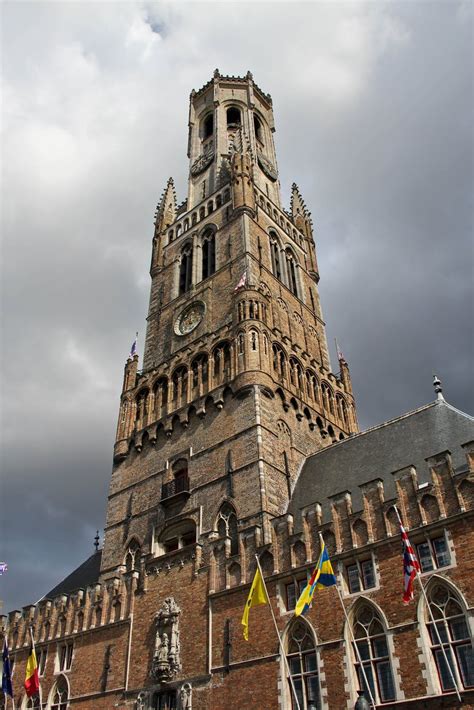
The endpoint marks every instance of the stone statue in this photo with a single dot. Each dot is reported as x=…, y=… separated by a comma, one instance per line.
x=185, y=697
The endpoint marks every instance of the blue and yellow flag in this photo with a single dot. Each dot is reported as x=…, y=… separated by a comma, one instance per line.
x=323, y=576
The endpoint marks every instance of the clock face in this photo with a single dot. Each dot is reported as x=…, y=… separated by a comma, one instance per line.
x=267, y=167
x=189, y=318
x=201, y=163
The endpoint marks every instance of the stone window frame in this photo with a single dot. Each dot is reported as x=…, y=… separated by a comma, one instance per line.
x=430, y=672
x=358, y=559
x=61, y=677
x=286, y=694
x=63, y=663
x=350, y=660
x=426, y=537
x=181, y=528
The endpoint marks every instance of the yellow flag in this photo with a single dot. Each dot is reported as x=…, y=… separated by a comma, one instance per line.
x=257, y=595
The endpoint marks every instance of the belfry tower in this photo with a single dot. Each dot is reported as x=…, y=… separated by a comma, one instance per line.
x=236, y=386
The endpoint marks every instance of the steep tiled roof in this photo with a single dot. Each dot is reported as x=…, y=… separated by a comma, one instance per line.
x=83, y=576
x=379, y=452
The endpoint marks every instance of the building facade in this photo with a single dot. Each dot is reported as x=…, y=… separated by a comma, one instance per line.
x=236, y=440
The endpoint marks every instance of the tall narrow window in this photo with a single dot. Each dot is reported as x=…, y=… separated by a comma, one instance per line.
x=208, y=126
x=303, y=665
x=258, y=128
x=452, y=631
x=373, y=650
x=291, y=271
x=186, y=269
x=275, y=253
x=208, y=254
x=227, y=526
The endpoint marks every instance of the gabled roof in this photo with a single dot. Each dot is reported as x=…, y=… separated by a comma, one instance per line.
x=380, y=451
x=83, y=576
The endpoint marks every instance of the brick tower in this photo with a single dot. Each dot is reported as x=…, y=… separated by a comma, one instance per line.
x=236, y=387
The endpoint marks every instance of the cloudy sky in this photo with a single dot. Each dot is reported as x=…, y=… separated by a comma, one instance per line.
x=374, y=112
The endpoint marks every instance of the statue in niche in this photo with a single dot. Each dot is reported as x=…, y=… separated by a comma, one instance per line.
x=166, y=657
x=185, y=697
x=142, y=701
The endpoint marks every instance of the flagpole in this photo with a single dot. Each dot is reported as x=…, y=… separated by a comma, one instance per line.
x=349, y=626
x=40, y=692
x=283, y=653
x=435, y=626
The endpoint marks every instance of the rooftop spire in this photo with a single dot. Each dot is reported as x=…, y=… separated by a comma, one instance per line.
x=96, y=541
x=438, y=388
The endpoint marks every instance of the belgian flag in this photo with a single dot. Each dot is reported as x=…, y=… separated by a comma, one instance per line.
x=31, y=677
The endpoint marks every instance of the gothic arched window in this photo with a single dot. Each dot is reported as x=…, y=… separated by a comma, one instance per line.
x=452, y=629
x=372, y=649
x=132, y=557
x=303, y=665
x=208, y=253
x=279, y=360
x=227, y=526
x=60, y=695
x=186, y=269
x=275, y=253
x=291, y=271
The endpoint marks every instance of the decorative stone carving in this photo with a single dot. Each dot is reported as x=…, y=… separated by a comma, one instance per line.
x=185, y=697
x=166, y=658
x=142, y=702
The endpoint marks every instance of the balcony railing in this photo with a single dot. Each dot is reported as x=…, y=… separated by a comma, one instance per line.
x=176, y=487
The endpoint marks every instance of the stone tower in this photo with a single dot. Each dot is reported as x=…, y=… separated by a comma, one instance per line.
x=236, y=387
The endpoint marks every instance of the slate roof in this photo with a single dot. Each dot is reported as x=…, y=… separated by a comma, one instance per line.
x=378, y=453
x=83, y=576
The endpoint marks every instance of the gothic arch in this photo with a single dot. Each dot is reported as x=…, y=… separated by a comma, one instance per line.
x=58, y=698
x=456, y=631
x=226, y=526
x=300, y=643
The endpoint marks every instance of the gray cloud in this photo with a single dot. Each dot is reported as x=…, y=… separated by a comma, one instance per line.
x=373, y=107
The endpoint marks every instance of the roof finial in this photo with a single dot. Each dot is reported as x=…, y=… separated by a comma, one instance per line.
x=96, y=541
x=438, y=388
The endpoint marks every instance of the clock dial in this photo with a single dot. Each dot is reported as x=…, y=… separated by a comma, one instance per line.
x=267, y=167
x=201, y=163
x=189, y=319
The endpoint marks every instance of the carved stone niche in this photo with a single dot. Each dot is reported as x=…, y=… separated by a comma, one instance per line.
x=143, y=701
x=186, y=697
x=166, y=657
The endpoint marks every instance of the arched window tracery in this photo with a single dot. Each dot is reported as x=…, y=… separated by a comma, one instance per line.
x=200, y=369
x=296, y=373
x=227, y=526
x=279, y=360
x=450, y=640
x=303, y=665
x=60, y=694
x=373, y=651
x=132, y=556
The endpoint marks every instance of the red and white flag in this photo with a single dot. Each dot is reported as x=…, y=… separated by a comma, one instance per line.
x=242, y=282
x=411, y=566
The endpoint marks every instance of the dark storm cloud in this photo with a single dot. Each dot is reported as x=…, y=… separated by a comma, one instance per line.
x=373, y=107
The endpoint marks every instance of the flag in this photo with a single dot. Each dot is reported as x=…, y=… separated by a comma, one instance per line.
x=7, y=671
x=133, y=349
x=411, y=566
x=323, y=576
x=242, y=282
x=31, y=676
x=257, y=595
x=340, y=355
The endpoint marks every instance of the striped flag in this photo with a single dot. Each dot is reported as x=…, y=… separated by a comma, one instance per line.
x=31, y=676
x=323, y=576
x=411, y=566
